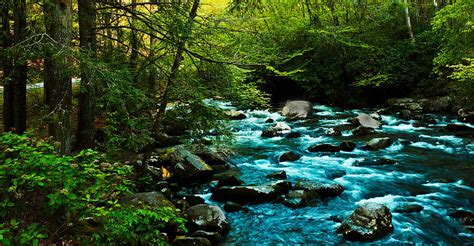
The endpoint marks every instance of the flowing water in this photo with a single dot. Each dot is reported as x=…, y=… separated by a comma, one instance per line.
x=435, y=169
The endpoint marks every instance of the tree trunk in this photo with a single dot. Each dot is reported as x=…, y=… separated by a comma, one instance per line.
x=7, y=66
x=86, y=118
x=407, y=17
x=58, y=87
x=134, y=41
x=20, y=69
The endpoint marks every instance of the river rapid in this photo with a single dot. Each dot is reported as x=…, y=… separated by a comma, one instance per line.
x=434, y=169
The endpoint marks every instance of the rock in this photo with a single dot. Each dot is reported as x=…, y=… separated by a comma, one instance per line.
x=162, y=140
x=189, y=168
x=457, y=128
x=376, y=115
x=466, y=116
x=368, y=222
x=362, y=131
x=375, y=162
x=229, y=181
x=297, y=109
x=277, y=175
x=378, y=143
x=250, y=194
x=282, y=186
x=153, y=199
x=465, y=217
x=214, y=237
x=405, y=103
x=438, y=104
x=192, y=241
x=293, y=135
x=333, y=132
x=406, y=114
x=194, y=200
x=211, y=157
x=335, y=218
x=235, y=115
x=319, y=189
x=365, y=120
x=269, y=120
x=289, y=156
x=406, y=209
x=347, y=146
x=334, y=173
x=324, y=148
x=277, y=130
x=294, y=199
x=232, y=207
x=207, y=218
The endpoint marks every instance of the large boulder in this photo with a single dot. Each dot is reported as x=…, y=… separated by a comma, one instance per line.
x=153, y=199
x=297, y=109
x=289, y=156
x=319, y=189
x=368, y=222
x=250, y=194
x=235, y=115
x=378, y=143
x=347, y=146
x=324, y=148
x=189, y=168
x=210, y=156
x=207, y=218
x=277, y=130
x=365, y=120
x=466, y=115
x=438, y=104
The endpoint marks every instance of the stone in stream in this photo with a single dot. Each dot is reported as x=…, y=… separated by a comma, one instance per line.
x=293, y=135
x=378, y=143
x=297, y=109
x=207, y=218
x=334, y=173
x=191, y=241
x=294, y=199
x=269, y=120
x=465, y=217
x=458, y=128
x=319, y=189
x=362, y=131
x=189, y=168
x=214, y=237
x=277, y=175
x=375, y=162
x=277, y=130
x=410, y=208
x=347, y=146
x=251, y=194
x=368, y=222
x=232, y=207
x=466, y=115
x=324, y=148
x=235, y=115
x=289, y=156
x=232, y=180
x=333, y=132
x=365, y=120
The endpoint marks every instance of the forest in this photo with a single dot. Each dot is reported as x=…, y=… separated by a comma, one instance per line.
x=215, y=122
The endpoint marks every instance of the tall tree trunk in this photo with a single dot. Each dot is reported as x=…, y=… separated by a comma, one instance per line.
x=58, y=87
x=86, y=118
x=134, y=41
x=407, y=17
x=176, y=63
x=20, y=69
x=7, y=66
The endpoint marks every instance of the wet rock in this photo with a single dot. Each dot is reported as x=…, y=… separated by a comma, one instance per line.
x=191, y=241
x=282, y=186
x=406, y=209
x=362, y=131
x=335, y=218
x=189, y=168
x=457, y=128
x=277, y=130
x=235, y=115
x=297, y=109
x=294, y=199
x=289, y=156
x=211, y=157
x=334, y=173
x=230, y=181
x=207, y=218
x=333, y=132
x=269, y=120
x=375, y=162
x=232, y=207
x=368, y=222
x=319, y=189
x=293, y=135
x=347, y=146
x=466, y=218
x=194, y=200
x=277, y=175
x=324, y=148
x=365, y=120
x=214, y=237
x=250, y=194
x=466, y=115
x=376, y=115
x=378, y=143
x=153, y=199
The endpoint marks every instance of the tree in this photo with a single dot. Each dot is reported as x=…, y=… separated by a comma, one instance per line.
x=7, y=66
x=57, y=64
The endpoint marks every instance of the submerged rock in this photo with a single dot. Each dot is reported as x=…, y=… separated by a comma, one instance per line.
x=347, y=146
x=378, y=143
x=289, y=156
x=406, y=209
x=375, y=162
x=277, y=130
x=319, y=189
x=334, y=173
x=293, y=135
x=324, y=148
x=297, y=109
x=207, y=218
x=368, y=222
x=232, y=207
